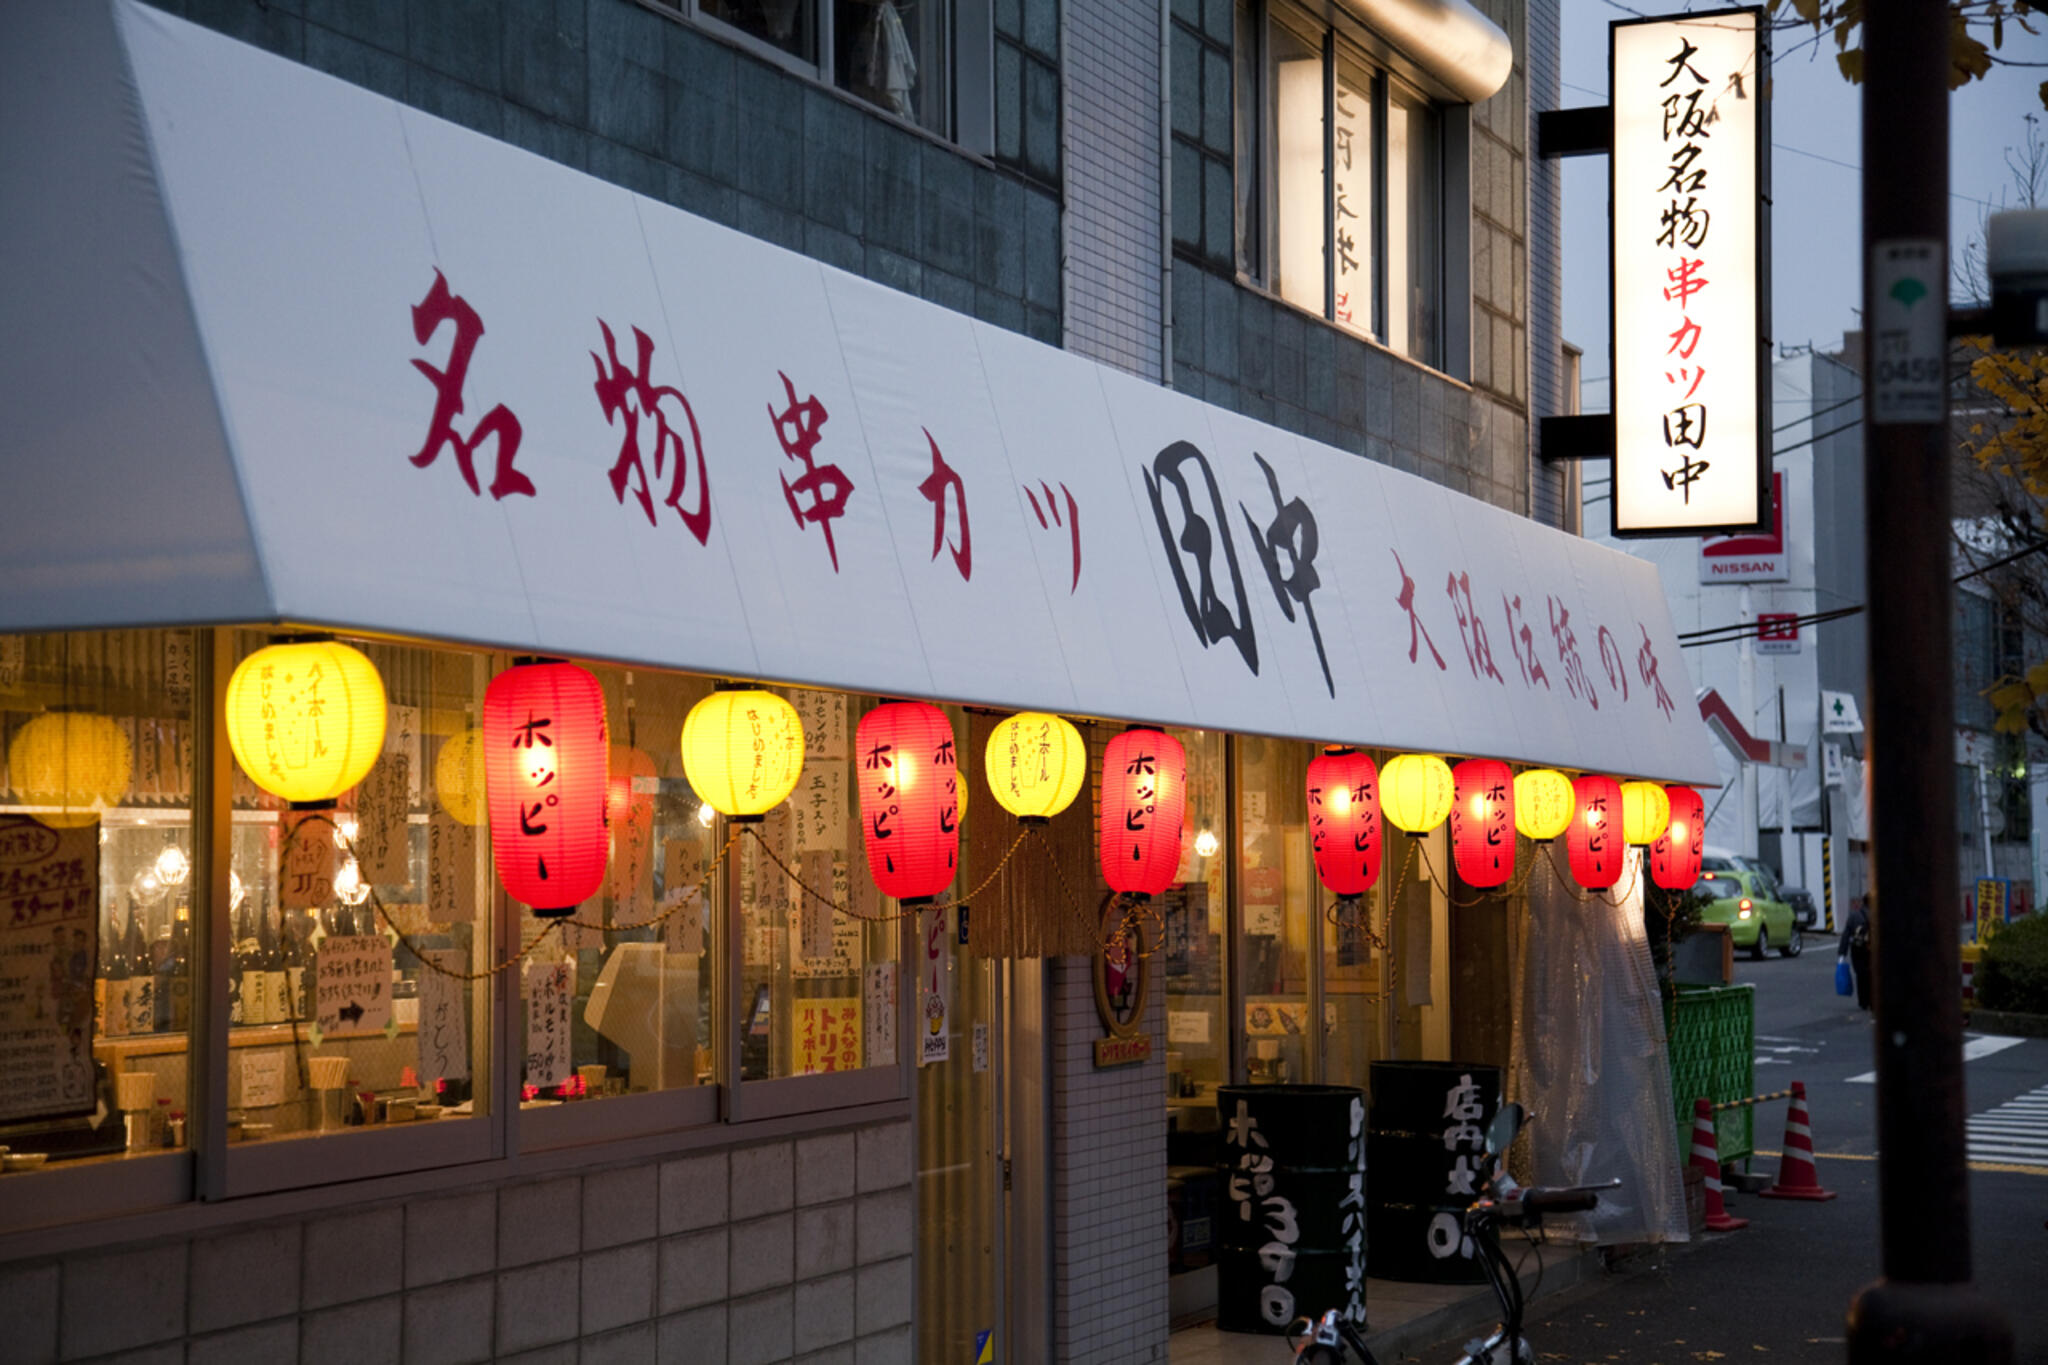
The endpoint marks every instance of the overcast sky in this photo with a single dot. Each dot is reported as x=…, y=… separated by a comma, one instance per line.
x=1816, y=222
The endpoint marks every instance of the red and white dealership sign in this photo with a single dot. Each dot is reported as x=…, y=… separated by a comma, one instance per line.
x=1750, y=556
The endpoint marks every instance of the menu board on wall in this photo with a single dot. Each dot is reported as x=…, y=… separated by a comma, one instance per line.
x=49, y=952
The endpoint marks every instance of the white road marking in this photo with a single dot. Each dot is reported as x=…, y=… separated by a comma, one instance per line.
x=2016, y=1131
x=1974, y=1046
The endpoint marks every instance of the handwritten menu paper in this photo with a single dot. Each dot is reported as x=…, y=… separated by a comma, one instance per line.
x=451, y=870
x=353, y=984
x=49, y=951
x=444, y=1019
x=309, y=860
x=878, y=1014
x=178, y=667
x=549, y=986
x=383, y=850
x=402, y=736
x=813, y=916
x=683, y=931
x=824, y=720
x=828, y=1034
x=262, y=1078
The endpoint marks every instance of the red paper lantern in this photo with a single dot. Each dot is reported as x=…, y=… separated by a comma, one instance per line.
x=909, y=799
x=1483, y=822
x=1594, y=841
x=1144, y=797
x=1344, y=820
x=1675, y=857
x=546, y=773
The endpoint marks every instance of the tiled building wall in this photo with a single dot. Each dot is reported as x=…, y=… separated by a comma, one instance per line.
x=792, y=1249
x=1546, y=268
x=634, y=96
x=1114, y=253
x=1108, y=1183
x=1243, y=349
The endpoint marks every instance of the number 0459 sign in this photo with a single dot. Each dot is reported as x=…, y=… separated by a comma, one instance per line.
x=1690, y=286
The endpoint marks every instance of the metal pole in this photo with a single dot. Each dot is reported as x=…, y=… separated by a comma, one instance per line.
x=1924, y=1309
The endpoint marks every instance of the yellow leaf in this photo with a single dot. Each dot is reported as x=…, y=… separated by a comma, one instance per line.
x=2037, y=676
x=1851, y=64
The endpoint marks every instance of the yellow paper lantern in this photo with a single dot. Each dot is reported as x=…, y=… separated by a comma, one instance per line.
x=743, y=750
x=1416, y=792
x=1543, y=803
x=68, y=767
x=459, y=776
x=1035, y=764
x=1645, y=812
x=306, y=719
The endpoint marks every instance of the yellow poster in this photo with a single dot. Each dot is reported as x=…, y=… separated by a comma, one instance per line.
x=828, y=1034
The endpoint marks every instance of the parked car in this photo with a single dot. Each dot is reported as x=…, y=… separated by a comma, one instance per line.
x=1746, y=902
x=1803, y=909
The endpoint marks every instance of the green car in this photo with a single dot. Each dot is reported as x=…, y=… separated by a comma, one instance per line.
x=1748, y=904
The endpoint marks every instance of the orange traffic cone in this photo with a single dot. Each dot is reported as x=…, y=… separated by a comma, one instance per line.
x=1797, y=1177
x=1707, y=1157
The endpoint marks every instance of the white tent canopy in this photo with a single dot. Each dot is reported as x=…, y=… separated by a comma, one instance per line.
x=269, y=315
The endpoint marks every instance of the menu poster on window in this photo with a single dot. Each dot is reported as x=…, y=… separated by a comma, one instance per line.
x=632, y=863
x=13, y=658
x=309, y=860
x=1350, y=207
x=818, y=809
x=49, y=952
x=1263, y=889
x=935, y=991
x=451, y=870
x=828, y=1034
x=683, y=931
x=178, y=667
x=824, y=719
x=353, y=985
x=262, y=1078
x=549, y=986
x=444, y=1022
x=383, y=850
x=879, y=1015
x=403, y=737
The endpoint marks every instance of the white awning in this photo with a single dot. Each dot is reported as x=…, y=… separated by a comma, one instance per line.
x=251, y=286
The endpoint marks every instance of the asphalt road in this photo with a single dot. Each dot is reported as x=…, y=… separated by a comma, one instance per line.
x=1778, y=1289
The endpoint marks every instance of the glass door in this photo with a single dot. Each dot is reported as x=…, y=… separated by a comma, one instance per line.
x=960, y=1154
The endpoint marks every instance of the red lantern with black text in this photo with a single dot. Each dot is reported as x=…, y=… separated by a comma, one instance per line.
x=1675, y=856
x=546, y=773
x=1144, y=797
x=1594, y=841
x=1483, y=822
x=909, y=799
x=1344, y=820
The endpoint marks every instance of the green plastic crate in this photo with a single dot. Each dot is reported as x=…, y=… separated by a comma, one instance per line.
x=1712, y=1040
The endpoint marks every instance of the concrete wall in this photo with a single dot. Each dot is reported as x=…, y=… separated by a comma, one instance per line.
x=792, y=1249
x=634, y=96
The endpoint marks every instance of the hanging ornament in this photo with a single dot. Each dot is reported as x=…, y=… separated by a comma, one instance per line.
x=1483, y=822
x=1144, y=798
x=1344, y=820
x=459, y=776
x=1416, y=792
x=1035, y=765
x=1543, y=803
x=546, y=764
x=306, y=719
x=743, y=751
x=1594, y=842
x=70, y=767
x=908, y=771
x=1675, y=855
x=1645, y=811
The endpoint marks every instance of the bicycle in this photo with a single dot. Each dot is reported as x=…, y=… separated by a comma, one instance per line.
x=1324, y=1340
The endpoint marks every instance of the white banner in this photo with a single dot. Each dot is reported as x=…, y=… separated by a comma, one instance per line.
x=534, y=403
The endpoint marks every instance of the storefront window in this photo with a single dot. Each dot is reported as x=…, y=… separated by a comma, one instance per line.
x=1194, y=922
x=1278, y=890
x=353, y=932
x=638, y=959
x=97, y=927
x=818, y=956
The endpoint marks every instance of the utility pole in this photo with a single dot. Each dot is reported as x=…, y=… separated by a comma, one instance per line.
x=1924, y=1309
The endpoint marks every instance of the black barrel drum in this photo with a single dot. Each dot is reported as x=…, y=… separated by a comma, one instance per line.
x=1290, y=1220
x=1427, y=1150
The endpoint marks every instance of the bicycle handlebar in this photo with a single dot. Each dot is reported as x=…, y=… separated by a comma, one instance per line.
x=1573, y=1200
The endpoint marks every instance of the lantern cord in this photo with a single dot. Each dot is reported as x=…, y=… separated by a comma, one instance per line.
x=702, y=887
x=1077, y=912
x=1511, y=890
x=913, y=911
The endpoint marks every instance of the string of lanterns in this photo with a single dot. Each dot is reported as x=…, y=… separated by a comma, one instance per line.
x=305, y=719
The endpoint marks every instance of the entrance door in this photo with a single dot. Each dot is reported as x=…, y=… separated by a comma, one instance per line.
x=959, y=1153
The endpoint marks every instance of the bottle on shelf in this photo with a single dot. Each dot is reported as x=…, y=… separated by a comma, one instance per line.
x=162, y=970
x=248, y=969
x=297, y=958
x=277, y=1006
x=141, y=975
x=114, y=998
x=180, y=981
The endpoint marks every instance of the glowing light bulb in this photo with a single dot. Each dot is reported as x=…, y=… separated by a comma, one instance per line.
x=146, y=885
x=1206, y=844
x=706, y=815
x=344, y=833
x=349, y=887
x=172, y=866
x=237, y=892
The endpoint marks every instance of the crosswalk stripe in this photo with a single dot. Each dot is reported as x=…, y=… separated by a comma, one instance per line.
x=2015, y=1131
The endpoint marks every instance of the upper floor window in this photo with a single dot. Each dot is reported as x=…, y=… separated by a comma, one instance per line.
x=1339, y=181
x=895, y=54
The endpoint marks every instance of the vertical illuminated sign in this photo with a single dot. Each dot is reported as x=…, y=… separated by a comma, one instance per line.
x=1690, y=288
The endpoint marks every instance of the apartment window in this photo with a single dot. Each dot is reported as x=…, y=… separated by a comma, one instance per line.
x=1339, y=181
x=895, y=54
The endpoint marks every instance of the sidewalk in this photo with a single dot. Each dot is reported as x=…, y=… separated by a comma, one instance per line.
x=1404, y=1318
